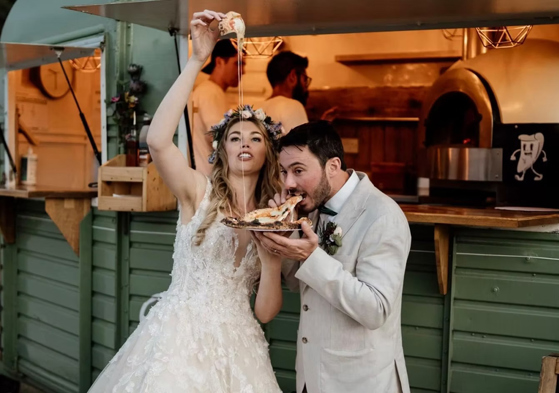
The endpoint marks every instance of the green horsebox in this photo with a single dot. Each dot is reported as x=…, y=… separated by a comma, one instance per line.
x=479, y=311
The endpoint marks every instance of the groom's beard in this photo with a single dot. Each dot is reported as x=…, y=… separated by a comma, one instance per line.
x=318, y=196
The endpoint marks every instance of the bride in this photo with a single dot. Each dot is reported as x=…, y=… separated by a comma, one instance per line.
x=202, y=335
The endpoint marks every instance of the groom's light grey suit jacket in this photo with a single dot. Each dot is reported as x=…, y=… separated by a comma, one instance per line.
x=349, y=337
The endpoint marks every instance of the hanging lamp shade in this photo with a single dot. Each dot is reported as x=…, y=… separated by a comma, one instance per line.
x=503, y=36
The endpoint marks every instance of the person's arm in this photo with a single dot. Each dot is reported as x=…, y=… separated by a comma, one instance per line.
x=185, y=183
x=369, y=296
x=269, y=297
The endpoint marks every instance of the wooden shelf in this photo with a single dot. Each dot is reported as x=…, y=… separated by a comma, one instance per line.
x=487, y=218
x=410, y=57
x=138, y=189
x=27, y=192
x=66, y=208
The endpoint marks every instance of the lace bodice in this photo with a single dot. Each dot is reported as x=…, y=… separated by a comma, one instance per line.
x=207, y=272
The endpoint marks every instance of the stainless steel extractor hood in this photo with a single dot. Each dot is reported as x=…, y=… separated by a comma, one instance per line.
x=297, y=17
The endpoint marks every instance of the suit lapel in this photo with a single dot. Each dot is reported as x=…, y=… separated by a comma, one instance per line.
x=354, y=206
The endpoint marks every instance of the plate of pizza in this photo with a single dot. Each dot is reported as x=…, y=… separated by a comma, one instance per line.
x=272, y=219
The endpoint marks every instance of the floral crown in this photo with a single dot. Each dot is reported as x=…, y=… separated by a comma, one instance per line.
x=245, y=113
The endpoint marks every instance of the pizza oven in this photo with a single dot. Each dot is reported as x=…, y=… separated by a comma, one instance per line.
x=489, y=128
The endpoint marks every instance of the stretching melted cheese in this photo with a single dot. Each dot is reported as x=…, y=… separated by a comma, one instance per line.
x=271, y=215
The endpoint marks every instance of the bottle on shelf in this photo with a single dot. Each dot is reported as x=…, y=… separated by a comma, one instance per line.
x=132, y=146
x=143, y=148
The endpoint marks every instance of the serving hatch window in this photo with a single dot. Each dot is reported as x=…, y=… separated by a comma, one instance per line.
x=50, y=105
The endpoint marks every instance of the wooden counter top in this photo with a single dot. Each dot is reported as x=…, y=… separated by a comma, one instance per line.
x=488, y=218
x=65, y=206
x=47, y=192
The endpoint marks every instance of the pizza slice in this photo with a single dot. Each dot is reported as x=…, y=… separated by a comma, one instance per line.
x=273, y=218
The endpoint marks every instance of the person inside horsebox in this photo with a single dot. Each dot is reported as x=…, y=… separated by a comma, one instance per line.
x=209, y=101
x=287, y=73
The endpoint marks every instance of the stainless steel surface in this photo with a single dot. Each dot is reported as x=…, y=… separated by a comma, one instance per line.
x=524, y=80
x=464, y=81
x=19, y=56
x=461, y=163
x=296, y=17
x=471, y=45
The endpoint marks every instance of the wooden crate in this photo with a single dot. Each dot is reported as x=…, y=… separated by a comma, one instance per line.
x=138, y=189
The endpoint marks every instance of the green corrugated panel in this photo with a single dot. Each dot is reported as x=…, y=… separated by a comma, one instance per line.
x=422, y=314
x=105, y=261
x=506, y=309
x=47, y=322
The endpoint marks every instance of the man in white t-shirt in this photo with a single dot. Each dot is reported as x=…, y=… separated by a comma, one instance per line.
x=209, y=102
x=287, y=73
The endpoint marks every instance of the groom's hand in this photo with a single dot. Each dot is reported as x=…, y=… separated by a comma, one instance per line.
x=296, y=249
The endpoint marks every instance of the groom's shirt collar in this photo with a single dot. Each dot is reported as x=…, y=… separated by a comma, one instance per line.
x=339, y=199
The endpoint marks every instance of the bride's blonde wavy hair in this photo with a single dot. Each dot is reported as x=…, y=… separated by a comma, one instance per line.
x=222, y=197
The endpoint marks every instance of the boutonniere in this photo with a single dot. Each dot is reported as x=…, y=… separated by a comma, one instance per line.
x=331, y=238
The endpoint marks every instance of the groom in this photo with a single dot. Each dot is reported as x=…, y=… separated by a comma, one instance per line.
x=350, y=273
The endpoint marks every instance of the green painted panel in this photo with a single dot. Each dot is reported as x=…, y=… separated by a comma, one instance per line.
x=424, y=373
x=471, y=379
x=283, y=354
x=57, y=248
x=422, y=343
x=135, y=306
x=104, y=235
x=103, y=333
x=518, y=263
x=152, y=237
x=49, y=337
x=42, y=267
x=148, y=284
x=283, y=327
x=104, y=256
x=46, y=379
x=30, y=223
x=95, y=373
x=291, y=301
x=48, y=359
x=421, y=283
x=287, y=381
x=104, y=282
x=104, y=307
x=507, y=320
x=150, y=47
x=507, y=288
x=150, y=259
x=422, y=311
x=132, y=326
x=508, y=247
x=421, y=261
x=48, y=313
x=56, y=293
x=167, y=218
x=101, y=356
x=502, y=352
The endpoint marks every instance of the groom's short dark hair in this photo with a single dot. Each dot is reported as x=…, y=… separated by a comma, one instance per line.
x=320, y=137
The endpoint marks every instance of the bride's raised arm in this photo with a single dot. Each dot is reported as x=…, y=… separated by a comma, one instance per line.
x=186, y=184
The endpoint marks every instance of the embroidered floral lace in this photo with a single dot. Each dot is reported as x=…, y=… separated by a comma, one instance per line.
x=202, y=335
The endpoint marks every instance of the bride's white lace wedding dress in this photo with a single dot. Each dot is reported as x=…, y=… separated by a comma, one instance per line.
x=202, y=335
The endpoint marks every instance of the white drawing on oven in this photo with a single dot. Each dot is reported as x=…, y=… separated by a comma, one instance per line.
x=531, y=146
